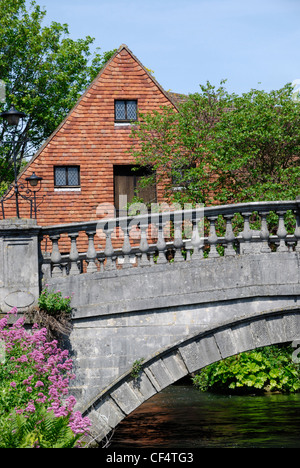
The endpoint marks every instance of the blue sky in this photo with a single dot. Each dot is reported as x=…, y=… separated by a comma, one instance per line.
x=252, y=44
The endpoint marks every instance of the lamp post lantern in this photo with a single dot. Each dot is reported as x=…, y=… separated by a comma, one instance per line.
x=35, y=182
x=12, y=117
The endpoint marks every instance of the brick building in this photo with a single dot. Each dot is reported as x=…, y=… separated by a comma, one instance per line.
x=85, y=163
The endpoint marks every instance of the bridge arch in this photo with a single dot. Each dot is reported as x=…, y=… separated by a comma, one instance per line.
x=189, y=355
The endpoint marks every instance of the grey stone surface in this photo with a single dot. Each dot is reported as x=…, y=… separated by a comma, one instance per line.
x=243, y=337
x=200, y=353
x=19, y=264
x=126, y=398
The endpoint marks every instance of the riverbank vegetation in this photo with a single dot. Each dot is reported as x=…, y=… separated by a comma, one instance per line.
x=268, y=369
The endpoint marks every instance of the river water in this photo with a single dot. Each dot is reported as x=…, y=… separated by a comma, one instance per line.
x=182, y=416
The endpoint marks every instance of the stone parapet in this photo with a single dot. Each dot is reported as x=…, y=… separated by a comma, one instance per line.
x=19, y=264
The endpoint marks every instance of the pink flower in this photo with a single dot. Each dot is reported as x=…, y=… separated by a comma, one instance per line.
x=30, y=407
x=39, y=384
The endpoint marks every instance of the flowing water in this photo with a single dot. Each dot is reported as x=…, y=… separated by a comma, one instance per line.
x=182, y=416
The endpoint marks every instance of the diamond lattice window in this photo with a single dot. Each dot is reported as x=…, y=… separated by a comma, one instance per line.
x=125, y=110
x=66, y=176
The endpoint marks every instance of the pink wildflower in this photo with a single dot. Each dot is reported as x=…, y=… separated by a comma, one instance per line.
x=39, y=384
x=30, y=407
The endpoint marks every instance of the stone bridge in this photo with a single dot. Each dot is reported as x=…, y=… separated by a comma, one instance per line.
x=217, y=281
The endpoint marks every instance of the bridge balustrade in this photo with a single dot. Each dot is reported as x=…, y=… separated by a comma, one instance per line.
x=179, y=236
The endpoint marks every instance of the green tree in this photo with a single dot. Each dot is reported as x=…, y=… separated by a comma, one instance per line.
x=44, y=71
x=177, y=144
x=258, y=150
x=224, y=147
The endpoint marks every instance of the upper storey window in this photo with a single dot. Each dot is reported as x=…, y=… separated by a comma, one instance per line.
x=125, y=110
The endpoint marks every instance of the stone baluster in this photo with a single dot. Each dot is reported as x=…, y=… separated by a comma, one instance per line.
x=109, y=250
x=74, y=255
x=101, y=261
x=91, y=254
x=55, y=256
x=213, y=238
x=229, y=237
x=178, y=242
x=196, y=241
x=126, y=248
x=247, y=233
x=264, y=232
x=151, y=258
x=64, y=268
x=144, y=246
x=161, y=244
x=297, y=230
x=281, y=232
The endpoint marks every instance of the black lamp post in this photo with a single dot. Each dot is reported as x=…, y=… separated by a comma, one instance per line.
x=12, y=119
x=35, y=182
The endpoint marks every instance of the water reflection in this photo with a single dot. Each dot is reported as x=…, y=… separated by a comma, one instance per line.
x=181, y=416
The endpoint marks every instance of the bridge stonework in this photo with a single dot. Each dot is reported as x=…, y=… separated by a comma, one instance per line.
x=199, y=311
x=175, y=317
x=192, y=353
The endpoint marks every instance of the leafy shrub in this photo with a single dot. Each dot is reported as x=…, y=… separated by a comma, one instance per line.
x=35, y=407
x=53, y=302
x=265, y=369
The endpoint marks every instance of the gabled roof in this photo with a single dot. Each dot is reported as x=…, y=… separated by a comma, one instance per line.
x=174, y=98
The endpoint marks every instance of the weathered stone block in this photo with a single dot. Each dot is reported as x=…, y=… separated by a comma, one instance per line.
x=105, y=416
x=243, y=336
x=292, y=326
x=175, y=366
x=143, y=387
x=276, y=329
x=260, y=333
x=158, y=374
x=126, y=398
x=19, y=264
x=226, y=343
x=197, y=355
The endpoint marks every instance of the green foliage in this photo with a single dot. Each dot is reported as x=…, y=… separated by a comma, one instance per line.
x=136, y=368
x=40, y=430
x=224, y=148
x=45, y=72
x=265, y=369
x=53, y=302
x=257, y=147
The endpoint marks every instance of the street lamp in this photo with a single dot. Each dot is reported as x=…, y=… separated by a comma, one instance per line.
x=35, y=182
x=12, y=119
